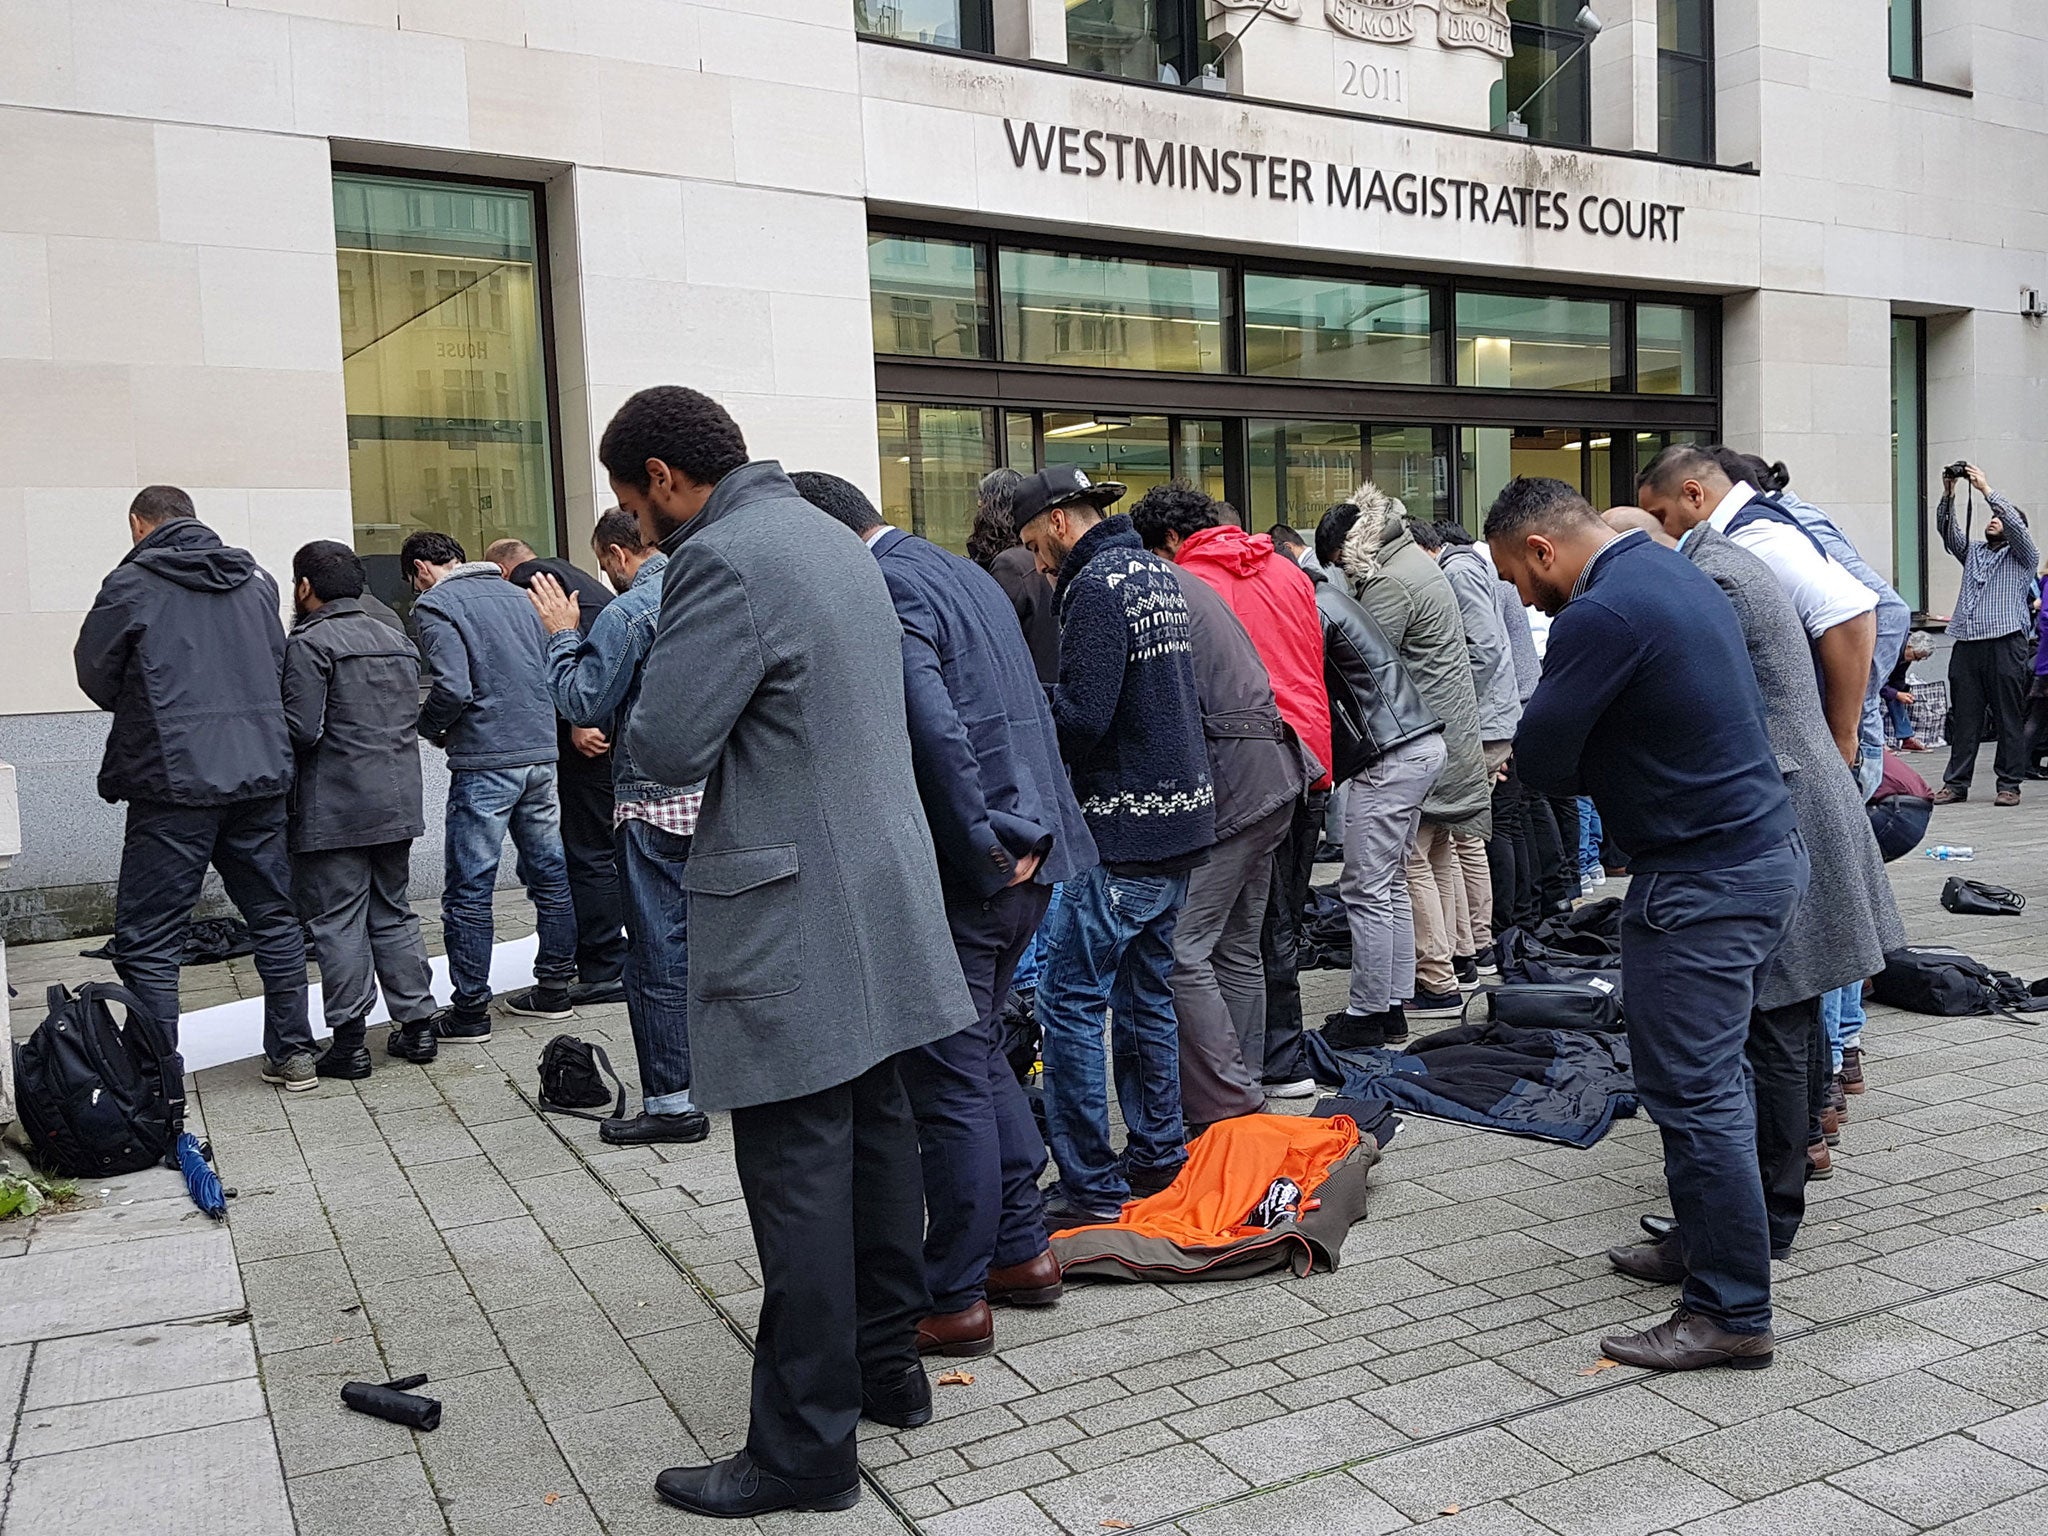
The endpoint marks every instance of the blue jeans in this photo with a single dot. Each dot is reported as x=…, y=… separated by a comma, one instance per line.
x=1841, y=1012
x=1901, y=718
x=1032, y=964
x=657, y=972
x=1693, y=944
x=483, y=805
x=1591, y=833
x=1110, y=945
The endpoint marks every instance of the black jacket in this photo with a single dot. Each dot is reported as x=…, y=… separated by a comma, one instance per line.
x=1374, y=704
x=981, y=734
x=1016, y=572
x=593, y=596
x=351, y=697
x=185, y=646
x=1257, y=762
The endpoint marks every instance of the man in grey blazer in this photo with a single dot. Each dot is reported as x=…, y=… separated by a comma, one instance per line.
x=818, y=937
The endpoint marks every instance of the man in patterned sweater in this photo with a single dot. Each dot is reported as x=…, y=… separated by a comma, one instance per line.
x=1130, y=727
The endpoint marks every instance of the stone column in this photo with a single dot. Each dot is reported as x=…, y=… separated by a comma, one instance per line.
x=1031, y=29
x=1624, y=67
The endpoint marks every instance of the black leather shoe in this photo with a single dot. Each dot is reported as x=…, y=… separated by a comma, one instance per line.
x=902, y=1403
x=1688, y=1342
x=1659, y=1263
x=736, y=1487
x=1659, y=1227
x=642, y=1129
x=348, y=1063
x=1662, y=1228
x=417, y=1041
x=591, y=994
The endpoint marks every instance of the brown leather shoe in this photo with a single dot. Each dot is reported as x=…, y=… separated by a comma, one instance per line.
x=1819, y=1163
x=1831, y=1127
x=963, y=1334
x=1034, y=1283
x=2006, y=797
x=1659, y=1263
x=1689, y=1342
x=1946, y=796
x=1852, y=1069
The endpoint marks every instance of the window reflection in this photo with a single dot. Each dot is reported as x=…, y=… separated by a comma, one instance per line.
x=1489, y=457
x=1324, y=328
x=941, y=23
x=443, y=367
x=933, y=457
x=1667, y=349
x=1298, y=470
x=1518, y=341
x=929, y=298
x=1083, y=311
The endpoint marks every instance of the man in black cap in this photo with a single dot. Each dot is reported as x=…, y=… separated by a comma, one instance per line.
x=1130, y=726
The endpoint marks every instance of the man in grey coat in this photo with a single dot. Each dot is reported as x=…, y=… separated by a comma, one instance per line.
x=351, y=696
x=819, y=945
x=1837, y=935
x=1414, y=605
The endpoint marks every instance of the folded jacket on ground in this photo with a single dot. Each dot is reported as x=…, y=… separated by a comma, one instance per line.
x=1259, y=1192
x=1552, y=1084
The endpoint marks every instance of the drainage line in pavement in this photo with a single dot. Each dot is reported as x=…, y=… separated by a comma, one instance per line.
x=1166, y=1522
x=732, y=1324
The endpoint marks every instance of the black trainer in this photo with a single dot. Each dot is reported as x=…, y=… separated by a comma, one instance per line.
x=416, y=1041
x=1466, y=969
x=1348, y=1031
x=344, y=1063
x=470, y=1026
x=541, y=1003
x=1394, y=1025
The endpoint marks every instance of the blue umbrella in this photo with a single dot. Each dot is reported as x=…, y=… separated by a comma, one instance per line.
x=200, y=1179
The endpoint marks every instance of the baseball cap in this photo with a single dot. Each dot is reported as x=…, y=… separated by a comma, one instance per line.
x=1062, y=485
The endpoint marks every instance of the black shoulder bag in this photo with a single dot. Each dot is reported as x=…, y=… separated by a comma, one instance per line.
x=572, y=1080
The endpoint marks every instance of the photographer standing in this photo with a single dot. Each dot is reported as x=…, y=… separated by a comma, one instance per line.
x=1992, y=664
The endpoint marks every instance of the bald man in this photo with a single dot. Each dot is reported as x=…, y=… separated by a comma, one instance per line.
x=1633, y=520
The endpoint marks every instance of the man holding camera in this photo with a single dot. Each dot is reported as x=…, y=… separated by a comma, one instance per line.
x=1993, y=627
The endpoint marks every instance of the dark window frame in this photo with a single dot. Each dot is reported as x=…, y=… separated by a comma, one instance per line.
x=1705, y=60
x=543, y=276
x=1922, y=572
x=977, y=30
x=1575, y=49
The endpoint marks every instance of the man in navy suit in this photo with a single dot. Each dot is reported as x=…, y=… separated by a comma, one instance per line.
x=1006, y=826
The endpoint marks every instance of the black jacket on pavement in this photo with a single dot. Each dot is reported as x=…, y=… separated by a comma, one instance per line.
x=1257, y=762
x=351, y=692
x=1374, y=704
x=185, y=646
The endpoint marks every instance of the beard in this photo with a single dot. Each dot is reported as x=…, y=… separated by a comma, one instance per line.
x=1550, y=597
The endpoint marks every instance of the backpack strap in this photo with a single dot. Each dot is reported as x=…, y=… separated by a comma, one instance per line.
x=604, y=1065
x=155, y=1040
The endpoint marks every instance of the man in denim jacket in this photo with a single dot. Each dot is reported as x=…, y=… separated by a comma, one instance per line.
x=595, y=682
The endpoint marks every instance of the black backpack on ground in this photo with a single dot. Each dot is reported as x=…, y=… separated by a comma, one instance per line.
x=97, y=1086
x=1950, y=983
x=571, y=1082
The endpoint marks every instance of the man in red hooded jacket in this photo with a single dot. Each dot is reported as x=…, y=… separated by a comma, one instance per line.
x=1276, y=602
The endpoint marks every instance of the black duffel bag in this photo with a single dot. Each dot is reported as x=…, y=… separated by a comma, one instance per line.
x=1949, y=983
x=1976, y=898
x=1584, y=1006
x=1523, y=959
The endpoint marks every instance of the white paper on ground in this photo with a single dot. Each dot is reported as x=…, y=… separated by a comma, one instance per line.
x=234, y=1031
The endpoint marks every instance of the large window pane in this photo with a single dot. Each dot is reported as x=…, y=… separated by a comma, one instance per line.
x=1545, y=38
x=929, y=297
x=1137, y=39
x=1513, y=341
x=1111, y=312
x=1667, y=349
x=933, y=457
x=1682, y=26
x=1683, y=103
x=1905, y=38
x=1298, y=470
x=1198, y=458
x=1324, y=328
x=443, y=367
x=942, y=23
x=1489, y=457
x=1404, y=462
x=1909, y=455
x=1136, y=450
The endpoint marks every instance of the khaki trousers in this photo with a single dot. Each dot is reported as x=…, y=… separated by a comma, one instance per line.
x=1436, y=890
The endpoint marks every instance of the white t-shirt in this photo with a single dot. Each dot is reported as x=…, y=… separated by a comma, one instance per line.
x=1823, y=592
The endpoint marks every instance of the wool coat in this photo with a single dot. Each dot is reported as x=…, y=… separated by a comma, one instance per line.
x=1412, y=601
x=1848, y=920
x=818, y=937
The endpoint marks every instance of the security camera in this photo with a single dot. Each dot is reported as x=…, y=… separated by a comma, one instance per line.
x=1587, y=22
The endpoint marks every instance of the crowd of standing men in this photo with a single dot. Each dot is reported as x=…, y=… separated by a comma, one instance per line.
x=811, y=793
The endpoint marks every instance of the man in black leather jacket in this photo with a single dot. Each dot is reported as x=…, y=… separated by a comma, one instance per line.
x=1389, y=749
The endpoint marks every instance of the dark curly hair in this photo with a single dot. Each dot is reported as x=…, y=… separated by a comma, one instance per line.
x=1175, y=507
x=1537, y=503
x=688, y=431
x=430, y=548
x=331, y=569
x=994, y=529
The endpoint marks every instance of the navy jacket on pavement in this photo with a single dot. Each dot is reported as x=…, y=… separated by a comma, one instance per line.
x=1649, y=704
x=981, y=737
x=185, y=645
x=1128, y=708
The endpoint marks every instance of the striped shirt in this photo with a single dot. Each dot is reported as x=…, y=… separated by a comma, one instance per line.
x=1997, y=583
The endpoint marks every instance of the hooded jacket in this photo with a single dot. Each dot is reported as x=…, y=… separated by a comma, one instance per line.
x=1473, y=581
x=1412, y=601
x=351, y=695
x=185, y=645
x=1275, y=601
x=1374, y=704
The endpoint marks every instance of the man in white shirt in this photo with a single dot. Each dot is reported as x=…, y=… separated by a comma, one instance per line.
x=1686, y=486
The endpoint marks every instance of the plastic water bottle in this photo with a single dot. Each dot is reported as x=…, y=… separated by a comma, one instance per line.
x=1944, y=851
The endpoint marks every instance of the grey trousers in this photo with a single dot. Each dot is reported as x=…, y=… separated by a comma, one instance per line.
x=1219, y=974
x=352, y=901
x=1382, y=809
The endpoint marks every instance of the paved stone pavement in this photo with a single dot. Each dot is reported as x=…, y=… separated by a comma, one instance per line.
x=583, y=1313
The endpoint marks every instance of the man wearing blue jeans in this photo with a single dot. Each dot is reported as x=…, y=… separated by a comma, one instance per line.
x=1645, y=646
x=487, y=704
x=594, y=677
x=1130, y=728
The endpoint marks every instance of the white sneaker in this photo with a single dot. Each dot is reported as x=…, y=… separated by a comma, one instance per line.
x=1303, y=1089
